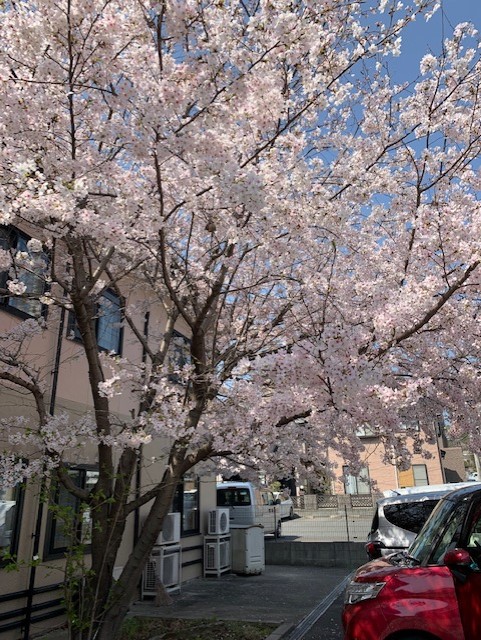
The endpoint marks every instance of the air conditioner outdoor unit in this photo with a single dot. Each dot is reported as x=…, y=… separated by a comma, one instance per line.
x=218, y=522
x=217, y=555
x=164, y=565
x=169, y=567
x=149, y=575
x=170, y=533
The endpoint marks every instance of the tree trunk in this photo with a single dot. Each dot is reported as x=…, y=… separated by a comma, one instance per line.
x=123, y=592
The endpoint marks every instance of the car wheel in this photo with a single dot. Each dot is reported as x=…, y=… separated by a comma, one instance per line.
x=412, y=636
x=279, y=529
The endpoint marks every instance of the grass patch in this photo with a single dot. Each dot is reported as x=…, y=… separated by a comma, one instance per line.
x=142, y=628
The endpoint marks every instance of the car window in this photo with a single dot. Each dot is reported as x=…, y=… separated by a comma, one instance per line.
x=451, y=535
x=474, y=536
x=267, y=498
x=409, y=515
x=233, y=497
x=375, y=522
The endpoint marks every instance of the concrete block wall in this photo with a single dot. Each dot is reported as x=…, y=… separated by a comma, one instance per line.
x=348, y=555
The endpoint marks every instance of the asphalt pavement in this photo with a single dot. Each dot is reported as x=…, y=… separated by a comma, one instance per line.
x=294, y=598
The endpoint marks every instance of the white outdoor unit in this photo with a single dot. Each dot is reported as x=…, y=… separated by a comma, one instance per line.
x=170, y=533
x=164, y=565
x=170, y=567
x=149, y=574
x=248, y=550
x=216, y=555
x=218, y=522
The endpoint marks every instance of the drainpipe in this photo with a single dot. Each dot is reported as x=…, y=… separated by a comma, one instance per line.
x=43, y=485
x=138, y=472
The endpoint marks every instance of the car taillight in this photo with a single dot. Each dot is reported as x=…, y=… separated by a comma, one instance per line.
x=373, y=549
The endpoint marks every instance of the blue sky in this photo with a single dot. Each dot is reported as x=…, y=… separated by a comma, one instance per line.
x=422, y=37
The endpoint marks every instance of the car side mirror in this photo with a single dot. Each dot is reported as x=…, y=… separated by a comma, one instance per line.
x=457, y=558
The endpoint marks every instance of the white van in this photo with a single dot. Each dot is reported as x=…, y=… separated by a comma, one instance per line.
x=249, y=505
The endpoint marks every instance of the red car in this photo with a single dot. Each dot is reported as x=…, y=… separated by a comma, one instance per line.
x=430, y=592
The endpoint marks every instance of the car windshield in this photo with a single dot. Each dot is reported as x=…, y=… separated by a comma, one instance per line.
x=440, y=532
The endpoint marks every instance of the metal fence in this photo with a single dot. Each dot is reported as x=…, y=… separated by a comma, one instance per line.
x=328, y=501
x=330, y=518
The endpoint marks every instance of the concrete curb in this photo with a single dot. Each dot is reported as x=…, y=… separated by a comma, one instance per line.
x=281, y=632
x=300, y=630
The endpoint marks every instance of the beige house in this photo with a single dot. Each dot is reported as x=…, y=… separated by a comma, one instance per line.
x=444, y=464
x=31, y=598
x=387, y=476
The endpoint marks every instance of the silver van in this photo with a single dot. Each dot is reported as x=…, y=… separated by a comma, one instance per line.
x=249, y=505
x=399, y=518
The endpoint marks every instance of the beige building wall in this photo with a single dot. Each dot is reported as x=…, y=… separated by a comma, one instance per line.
x=73, y=396
x=387, y=476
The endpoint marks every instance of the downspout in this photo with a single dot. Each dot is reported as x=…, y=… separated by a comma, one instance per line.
x=43, y=485
x=138, y=472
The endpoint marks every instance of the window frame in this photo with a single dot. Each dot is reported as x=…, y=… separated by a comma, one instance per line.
x=351, y=481
x=178, y=506
x=178, y=353
x=74, y=334
x=9, y=241
x=420, y=467
x=51, y=549
x=17, y=523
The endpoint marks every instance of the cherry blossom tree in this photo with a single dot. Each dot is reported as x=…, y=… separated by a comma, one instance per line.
x=253, y=171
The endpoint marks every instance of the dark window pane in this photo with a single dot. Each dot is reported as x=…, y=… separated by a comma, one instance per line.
x=63, y=524
x=178, y=354
x=186, y=502
x=90, y=479
x=109, y=323
x=233, y=497
x=67, y=524
x=410, y=516
x=190, y=507
x=32, y=275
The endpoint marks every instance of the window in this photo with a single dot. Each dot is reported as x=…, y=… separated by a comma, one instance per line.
x=474, y=536
x=10, y=512
x=233, y=497
x=186, y=502
x=451, y=534
x=30, y=271
x=267, y=498
x=409, y=515
x=178, y=354
x=409, y=425
x=68, y=523
x=415, y=476
x=367, y=431
x=108, y=324
x=355, y=485
x=420, y=474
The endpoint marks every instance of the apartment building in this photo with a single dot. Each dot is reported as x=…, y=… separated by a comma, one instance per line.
x=31, y=596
